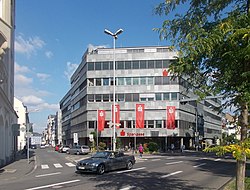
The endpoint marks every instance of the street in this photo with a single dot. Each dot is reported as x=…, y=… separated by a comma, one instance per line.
x=55, y=170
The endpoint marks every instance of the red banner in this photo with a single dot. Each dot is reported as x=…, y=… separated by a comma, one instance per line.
x=101, y=120
x=117, y=114
x=170, y=122
x=139, y=115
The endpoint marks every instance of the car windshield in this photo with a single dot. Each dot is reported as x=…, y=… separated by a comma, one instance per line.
x=101, y=155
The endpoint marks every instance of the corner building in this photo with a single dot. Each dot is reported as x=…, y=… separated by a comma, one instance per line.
x=142, y=77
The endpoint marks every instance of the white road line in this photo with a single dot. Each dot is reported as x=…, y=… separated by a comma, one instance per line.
x=174, y=173
x=169, y=158
x=44, y=175
x=199, y=165
x=127, y=188
x=57, y=165
x=155, y=159
x=70, y=164
x=218, y=159
x=174, y=162
x=44, y=166
x=52, y=185
x=130, y=170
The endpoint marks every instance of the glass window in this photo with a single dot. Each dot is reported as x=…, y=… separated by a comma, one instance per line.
x=127, y=64
x=143, y=64
x=111, y=65
x=166, y=96
x=158, y=96
x=150, y=123
x=120, y=97
x=106, y=82
x=98, y=82
x=135, y=64
x=151, y=99
x=136, y=81
x=128, y=98
x=165, y=80
x=122, y=124
x=174, y=96
x=158, y=80
x=91, y=66
x=105, y=65
x=111, y=97
x=129, y=124
x=159, y=124
x=120, y=81
x=91, y=82
x=98, y=97
x=158, y=64
x=135, y=97
x=151, y=64
x=91, y=98
x=150, y=80
x=143, y=81
x=105, y=97
x=165, y=63
x=143, y=99
x=91, y=124
x=120, y=65
x=128, y=81
x=98, y=66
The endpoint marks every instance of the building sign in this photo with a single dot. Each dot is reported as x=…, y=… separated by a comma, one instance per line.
x=170, y=122
x=101, y=120
x=117, y=114
x=131, y=134
x=139, y=115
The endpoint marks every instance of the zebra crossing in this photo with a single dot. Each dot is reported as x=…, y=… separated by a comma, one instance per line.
x=57, y=165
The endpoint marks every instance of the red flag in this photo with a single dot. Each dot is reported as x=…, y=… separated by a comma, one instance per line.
x=117, y=114
x=139, y=115
x=170, y=122
x=101, y=120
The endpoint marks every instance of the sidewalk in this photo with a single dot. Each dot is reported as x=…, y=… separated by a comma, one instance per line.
x=20, y=167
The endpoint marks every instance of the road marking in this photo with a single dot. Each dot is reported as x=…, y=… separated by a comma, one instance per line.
x=199, y=165
x=218, y=159
x=52, y=185
x=174, y=173
x=130, y=170
x=127, y=188
x=57, y=165
x=44, y=175
x=155, y=159
x=169, y=158
x=44, y=166
x=174, y=162
x=70, y=164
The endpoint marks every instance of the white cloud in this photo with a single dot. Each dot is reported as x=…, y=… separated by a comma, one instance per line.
x=28, y=46
x=71, y=67
x=31, y=100
x=21, y=80
x=21, y=69
x=48, y=54
x=42, y=76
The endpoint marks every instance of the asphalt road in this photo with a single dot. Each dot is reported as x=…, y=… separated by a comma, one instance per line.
x=57, y=171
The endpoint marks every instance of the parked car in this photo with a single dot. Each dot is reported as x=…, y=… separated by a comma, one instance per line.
x=33, y=146
x=63, y=149
x=106, y=161
x=42, y=146
x=79, y=149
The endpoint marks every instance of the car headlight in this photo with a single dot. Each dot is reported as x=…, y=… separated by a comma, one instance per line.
x=94, y=164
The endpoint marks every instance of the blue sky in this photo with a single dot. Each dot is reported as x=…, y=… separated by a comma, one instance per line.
x=52, y=35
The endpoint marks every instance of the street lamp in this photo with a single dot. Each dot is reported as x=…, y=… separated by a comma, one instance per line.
x=115, y=36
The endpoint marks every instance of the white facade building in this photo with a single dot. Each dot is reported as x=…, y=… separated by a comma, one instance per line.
x=8, y=116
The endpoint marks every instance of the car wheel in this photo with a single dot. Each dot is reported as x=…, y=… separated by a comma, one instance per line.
x=129, y=165
x=101, y=169
x=67, y=152
x=77, y=153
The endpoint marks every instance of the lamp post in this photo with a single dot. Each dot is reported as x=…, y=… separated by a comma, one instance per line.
x=115, y=36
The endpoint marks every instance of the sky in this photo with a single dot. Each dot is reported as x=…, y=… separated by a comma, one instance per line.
x=51, y=37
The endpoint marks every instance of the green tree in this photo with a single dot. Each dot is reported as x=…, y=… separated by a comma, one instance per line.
x=212, y=38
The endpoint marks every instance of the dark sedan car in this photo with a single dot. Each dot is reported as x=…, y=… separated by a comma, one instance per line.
x=106, y=161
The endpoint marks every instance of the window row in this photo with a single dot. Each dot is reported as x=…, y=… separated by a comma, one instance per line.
x=132, y=81
x=133, y=97
x=121, y=65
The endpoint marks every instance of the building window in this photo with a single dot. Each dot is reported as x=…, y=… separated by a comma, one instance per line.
x=91, y=82
x=143, y=64
x=129, y=124
x=135, y=97
x=91, y=66
x=151, y=64
x=105, y=97
x=105, y=65
x=158, y=64
x=135, y=81
x=143, y=99
x=150, y=80
x=143, y=81
x=166, y=96
x=98, y=66
x=120, y=97
x=150, y=123
x=119, y=65
x=122, y=124
x=159, y=124
x=91, y=98
x=158, y=96
x=106, y=82
x=165, y=80
x=128, y=81
x=128, y=97
x=165, y=63
x=98, y=97
x=135, y=65
x=158, y=80
x=120, y=81
x=174, y=96
x=98, y=82
x=127, y=64
x=91, y=124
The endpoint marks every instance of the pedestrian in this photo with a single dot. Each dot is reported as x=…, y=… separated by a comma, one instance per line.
x=140, y=150
x=182, y=148
x=172, y=148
